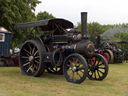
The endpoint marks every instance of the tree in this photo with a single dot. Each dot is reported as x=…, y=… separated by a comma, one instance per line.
x=17, y=11
x=44, y=15
x=122, y=36
x=94, y=29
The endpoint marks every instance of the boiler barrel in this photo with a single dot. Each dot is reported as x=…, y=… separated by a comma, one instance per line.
x=84, y=47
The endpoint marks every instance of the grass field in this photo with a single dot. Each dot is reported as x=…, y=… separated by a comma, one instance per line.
x=13, y=83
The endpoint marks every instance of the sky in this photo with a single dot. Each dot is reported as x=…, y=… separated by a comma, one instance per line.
x=101, y=11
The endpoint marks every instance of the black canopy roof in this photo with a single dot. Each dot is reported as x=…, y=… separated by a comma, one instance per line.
x=46, y=25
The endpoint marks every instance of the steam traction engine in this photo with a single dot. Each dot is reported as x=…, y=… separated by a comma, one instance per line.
x=103, y=48
x=109, y=50
x=64, y=50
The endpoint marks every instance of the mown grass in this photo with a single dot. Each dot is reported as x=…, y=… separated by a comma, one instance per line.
x=13, y=83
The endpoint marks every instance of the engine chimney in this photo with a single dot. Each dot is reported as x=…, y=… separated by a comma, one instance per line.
x=83, y=24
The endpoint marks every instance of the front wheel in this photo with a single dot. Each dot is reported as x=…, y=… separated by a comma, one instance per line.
x=75, y=68
x=98, y=67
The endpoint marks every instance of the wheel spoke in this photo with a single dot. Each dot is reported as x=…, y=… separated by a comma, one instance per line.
x=56, y=69
x=32, y=69
x=89, y=66
x=70, y=61
x=26, y=60
x=100, y=64
x=78, y=74
x=89, y=70
x=26, y=64
x=27, y=54
x=102, y=67
x=92, y=73
x=73, y=59
x=37, y=61
x=92, y=61
x=35, y=52
x=95, y=74
x=81, y=71
x=29, y=68
x=81, y=68
x=98, y=73
x=30, y=49
x=37, y=57
x=35, y=66
x=77, y=61
x=73, y=75
x=98, y=59
x=70, y=65
x=101, y=71
x=97, y=63
x=24, y=57
x=27, y=51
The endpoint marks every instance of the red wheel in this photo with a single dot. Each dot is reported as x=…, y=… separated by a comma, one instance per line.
x=111, y=56
x=106, y=56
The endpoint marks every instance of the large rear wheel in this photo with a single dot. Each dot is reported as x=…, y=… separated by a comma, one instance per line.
x=31, y=62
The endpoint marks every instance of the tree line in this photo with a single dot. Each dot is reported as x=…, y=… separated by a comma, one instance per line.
x=95, y=28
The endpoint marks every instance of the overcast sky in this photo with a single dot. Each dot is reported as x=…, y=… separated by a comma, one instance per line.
x=102, y=11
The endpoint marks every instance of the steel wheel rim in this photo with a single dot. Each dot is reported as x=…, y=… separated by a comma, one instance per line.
x=29, y=58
